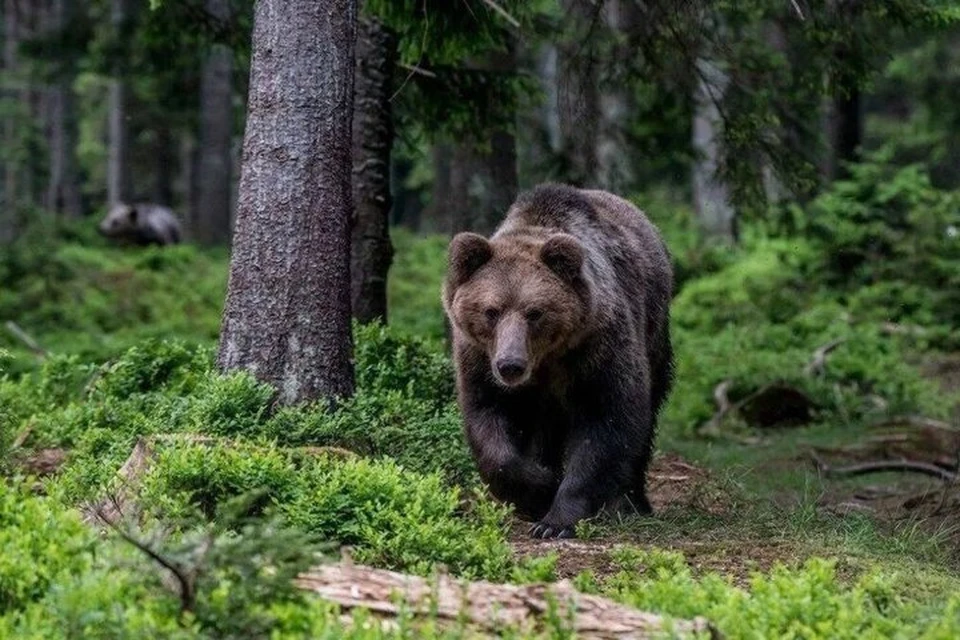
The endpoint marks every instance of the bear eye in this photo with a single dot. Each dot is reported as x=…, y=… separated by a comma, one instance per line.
x=492, y=314
x=534, y=314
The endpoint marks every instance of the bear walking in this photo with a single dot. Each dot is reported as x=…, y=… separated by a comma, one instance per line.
x=562, y=349
x=141, y=224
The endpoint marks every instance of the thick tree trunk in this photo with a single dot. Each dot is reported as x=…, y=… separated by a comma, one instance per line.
x=711, y=195
x=216, y=128
x=372, y=251
x=63, y=188
x=119, y=184
x=287, y=315
x=578, y=97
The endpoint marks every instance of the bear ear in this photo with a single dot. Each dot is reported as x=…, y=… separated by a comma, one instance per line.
x=132, y=213
x=468, y=252
x=564, y=255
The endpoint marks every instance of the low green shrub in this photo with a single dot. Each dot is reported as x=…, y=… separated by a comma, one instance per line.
x=393, y=517
x=810, y=601
x=41, y=542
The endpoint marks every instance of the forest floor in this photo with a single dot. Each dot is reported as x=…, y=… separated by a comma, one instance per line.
x=736, y=508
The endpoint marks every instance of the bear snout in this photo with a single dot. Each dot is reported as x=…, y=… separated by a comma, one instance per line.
x=512, y=370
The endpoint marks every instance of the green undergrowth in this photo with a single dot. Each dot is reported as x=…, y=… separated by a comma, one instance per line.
x=131, y=339
x=806, y=601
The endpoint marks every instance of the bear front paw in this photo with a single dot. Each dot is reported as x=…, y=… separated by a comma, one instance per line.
x=547, y=531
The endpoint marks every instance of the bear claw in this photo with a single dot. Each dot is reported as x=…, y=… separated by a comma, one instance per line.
x=545, y=531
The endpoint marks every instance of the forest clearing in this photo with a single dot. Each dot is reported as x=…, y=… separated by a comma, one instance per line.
x=229, y=381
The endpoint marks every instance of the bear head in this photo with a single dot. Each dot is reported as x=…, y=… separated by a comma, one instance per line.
x=518, y=298
x=121, y=222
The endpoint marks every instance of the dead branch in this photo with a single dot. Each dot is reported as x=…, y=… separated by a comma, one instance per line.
x=185, y=580
x=880, y=466
x=818, y=364
x=25, y=338
x=920, y=422
x=796, y=7
x=488, y=609
x=896, y=329
x=120, y=503
x=414, y=69
x=503, y=13
x=712, y=426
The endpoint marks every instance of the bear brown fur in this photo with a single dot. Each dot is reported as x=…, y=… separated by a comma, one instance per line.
x=562, y=348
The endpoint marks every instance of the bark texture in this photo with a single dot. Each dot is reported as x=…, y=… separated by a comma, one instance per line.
x=119, y=184
x=488, y=610
x=711, y=195
x=212, y=210
x=287, y=315
x=372, y=251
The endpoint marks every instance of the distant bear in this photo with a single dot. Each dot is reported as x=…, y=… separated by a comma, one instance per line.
x=562, y=349
x=141, y=224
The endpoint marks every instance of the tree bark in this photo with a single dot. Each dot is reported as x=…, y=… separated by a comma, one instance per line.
x=63, y=188
x=287, y=314
x=716, y=216
x=489, y=610
x=119, y=184
x=216, y=128
x=372, y=251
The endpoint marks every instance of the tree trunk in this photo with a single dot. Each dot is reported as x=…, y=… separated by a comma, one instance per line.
x=711, y=195
x=11, y=40
x=407, y=207
x=488, y=178
x=372, y=251
x=287, y=315
x=614, y=167
x=216, y=126
x=187, y=182
x=436, y=216
x=63, y=188
x=166, y=159
x=578, y=97
x=119, y=185
x=845, y=126
x=485, y=178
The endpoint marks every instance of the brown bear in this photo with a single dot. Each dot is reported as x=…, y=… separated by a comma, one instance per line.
x=561, y=342
x=141, y=224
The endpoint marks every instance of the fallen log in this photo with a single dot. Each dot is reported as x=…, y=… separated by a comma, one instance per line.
x=880, y=466
x=488, y=609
